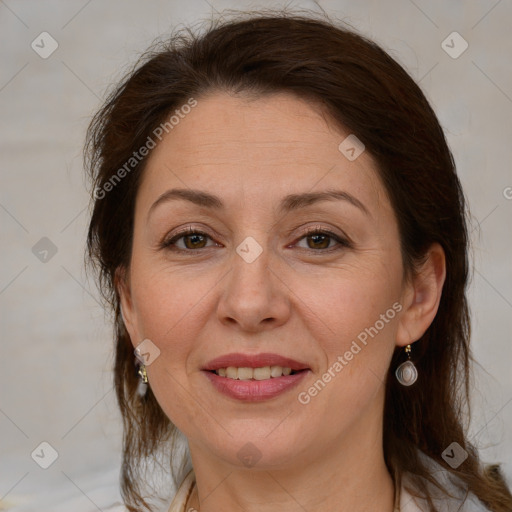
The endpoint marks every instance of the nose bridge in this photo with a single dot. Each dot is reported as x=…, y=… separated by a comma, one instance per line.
x=250, y=264
x=252, y=294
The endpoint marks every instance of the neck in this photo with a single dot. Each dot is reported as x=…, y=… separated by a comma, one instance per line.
x=377, y=499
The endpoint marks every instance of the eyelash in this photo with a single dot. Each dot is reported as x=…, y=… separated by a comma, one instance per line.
x=342, y=242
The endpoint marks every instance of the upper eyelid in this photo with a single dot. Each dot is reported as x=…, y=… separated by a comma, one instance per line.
x=193, y=229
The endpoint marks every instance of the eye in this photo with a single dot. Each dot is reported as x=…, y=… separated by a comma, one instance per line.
x=321, y=239
x=192, y=239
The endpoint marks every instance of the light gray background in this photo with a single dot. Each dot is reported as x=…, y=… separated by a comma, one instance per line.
x=55, y=374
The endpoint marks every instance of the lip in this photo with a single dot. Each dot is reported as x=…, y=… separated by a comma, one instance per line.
x=255, y=390
x=254, y=361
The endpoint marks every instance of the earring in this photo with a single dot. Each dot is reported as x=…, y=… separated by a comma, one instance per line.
x=407, y=373
x=143, y=383
x=143, y=374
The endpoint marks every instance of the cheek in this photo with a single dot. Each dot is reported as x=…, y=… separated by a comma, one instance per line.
x=168, y=303
x=171, y=313
x=353, y=317
x=346, y=300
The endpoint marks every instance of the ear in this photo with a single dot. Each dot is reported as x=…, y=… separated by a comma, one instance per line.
x=122, y=284
x=421, y=297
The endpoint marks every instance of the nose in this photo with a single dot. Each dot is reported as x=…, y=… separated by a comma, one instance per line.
x=254, y=294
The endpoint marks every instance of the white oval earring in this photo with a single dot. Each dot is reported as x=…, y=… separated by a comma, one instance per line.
x=407, y=373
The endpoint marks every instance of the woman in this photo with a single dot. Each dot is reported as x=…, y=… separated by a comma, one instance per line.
x=281, y=233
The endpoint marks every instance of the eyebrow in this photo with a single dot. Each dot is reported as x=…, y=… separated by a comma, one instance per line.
x=289, y=203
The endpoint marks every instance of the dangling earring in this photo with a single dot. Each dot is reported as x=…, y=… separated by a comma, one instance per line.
x=143, y=383
x=407, y=373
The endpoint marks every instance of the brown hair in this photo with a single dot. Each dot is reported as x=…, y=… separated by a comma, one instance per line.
x=365, y=91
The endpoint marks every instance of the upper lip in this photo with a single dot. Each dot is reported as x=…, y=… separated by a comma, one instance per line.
x=254, y=361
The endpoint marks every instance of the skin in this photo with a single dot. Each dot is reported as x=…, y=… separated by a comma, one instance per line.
x=299, y=299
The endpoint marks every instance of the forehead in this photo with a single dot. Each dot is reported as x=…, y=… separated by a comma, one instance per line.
x=264, y=147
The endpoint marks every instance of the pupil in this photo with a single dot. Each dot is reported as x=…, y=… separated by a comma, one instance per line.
x=315, y=237
x=194, y=238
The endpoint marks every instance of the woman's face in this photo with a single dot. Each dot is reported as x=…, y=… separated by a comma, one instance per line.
x=256, y=282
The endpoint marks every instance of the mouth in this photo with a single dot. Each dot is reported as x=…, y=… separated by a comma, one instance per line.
x=254, y=377
x=258, y=374
x=252, y=390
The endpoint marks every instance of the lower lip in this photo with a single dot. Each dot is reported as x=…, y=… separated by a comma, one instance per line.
x=255, y=390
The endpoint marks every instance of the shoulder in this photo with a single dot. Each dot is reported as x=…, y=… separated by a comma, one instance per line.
x=459, y=500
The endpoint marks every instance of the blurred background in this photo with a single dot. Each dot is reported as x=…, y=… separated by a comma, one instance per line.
x=58, y=59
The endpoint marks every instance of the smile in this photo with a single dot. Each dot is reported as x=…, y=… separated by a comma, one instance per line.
x=262, y=373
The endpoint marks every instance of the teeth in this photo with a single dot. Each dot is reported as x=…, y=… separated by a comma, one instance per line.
x=266, y=372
